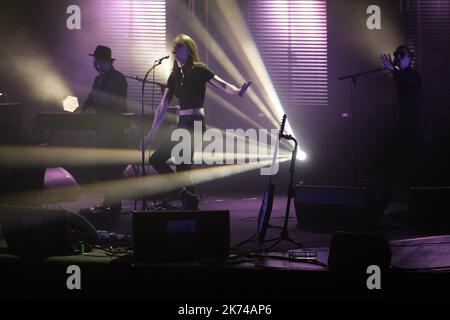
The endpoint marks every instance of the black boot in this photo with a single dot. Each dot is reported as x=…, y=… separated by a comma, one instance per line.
x=189, y=200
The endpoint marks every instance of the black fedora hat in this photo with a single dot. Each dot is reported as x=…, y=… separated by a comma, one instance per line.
x=102, y=52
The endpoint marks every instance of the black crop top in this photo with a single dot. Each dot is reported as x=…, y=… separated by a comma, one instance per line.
x=189, y=85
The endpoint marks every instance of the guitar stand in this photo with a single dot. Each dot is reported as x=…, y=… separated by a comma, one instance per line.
x=284, y=235
x=255, y=235
x=251, y=239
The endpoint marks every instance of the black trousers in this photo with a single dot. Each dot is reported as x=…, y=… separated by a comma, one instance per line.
x=164, y=152
x=403, y=157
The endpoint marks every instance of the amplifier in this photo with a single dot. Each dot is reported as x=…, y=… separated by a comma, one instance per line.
x=333, y=206
x=430, y=207
x=173, y=236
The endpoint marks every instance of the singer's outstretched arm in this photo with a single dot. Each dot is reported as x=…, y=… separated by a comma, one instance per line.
x=228, y=88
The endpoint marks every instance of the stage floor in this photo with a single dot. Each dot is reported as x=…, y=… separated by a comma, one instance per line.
x=244, y=211
x=421, y=262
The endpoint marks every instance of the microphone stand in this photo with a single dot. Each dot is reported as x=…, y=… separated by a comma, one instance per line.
x=353, y=78
x=160, y=85
x=144, y=81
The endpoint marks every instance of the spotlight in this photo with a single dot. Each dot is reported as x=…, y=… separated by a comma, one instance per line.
x=3, y=97
x=70, y=103
x=301, y=155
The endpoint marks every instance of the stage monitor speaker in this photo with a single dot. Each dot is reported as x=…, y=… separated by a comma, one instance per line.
x=17, y=180
x=174, y=236
x=40, y=233
x=430, y=207
x=354, y=252
x=331, y=206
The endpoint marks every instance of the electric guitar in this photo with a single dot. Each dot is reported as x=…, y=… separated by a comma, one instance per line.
x=265, y=210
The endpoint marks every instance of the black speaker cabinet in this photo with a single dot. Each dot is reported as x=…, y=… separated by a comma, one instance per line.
x=39, y=233
x=18, y=180
x=331, y=206
x=430, y=207
x=354, y=252
x=173, y=236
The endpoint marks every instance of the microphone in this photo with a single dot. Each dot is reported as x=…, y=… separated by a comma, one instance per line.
x=396, y=60
x=283, y=123
x=161, y=59
x=398, y=55
x=396, y=63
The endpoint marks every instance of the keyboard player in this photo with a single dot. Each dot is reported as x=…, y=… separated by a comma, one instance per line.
x=108, y=98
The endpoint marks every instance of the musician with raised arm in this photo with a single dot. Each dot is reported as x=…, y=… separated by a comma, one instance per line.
x=187, y=82
x=406, y=143
x=108, y=98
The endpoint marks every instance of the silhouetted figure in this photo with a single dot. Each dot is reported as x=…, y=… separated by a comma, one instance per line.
x=108, y=98
x=405, y=148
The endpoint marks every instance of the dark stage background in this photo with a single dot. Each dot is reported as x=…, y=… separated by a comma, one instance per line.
x=42, y=62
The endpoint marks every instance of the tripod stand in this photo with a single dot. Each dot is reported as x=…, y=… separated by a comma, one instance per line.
x=284, y=236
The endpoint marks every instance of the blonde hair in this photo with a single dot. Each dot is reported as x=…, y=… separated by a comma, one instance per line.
x=193, y=56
